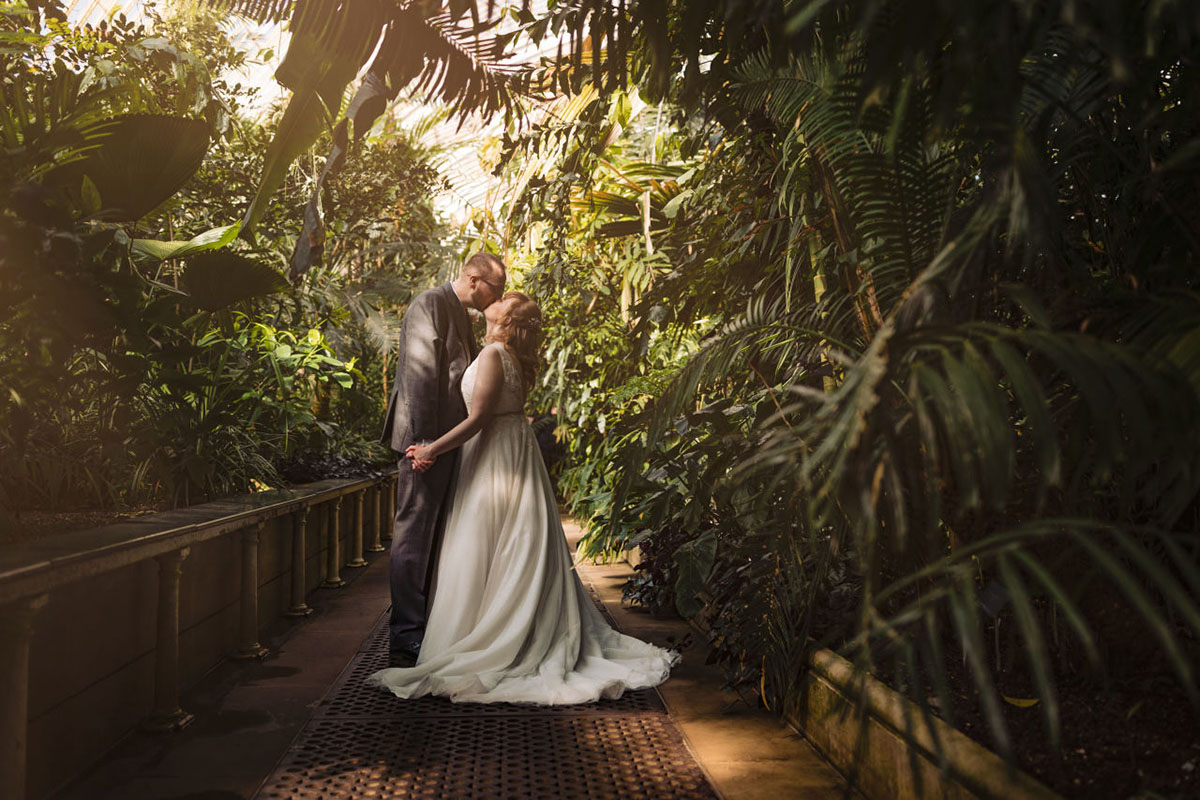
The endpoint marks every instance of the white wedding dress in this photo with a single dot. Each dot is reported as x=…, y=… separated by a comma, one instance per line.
x=509, y=620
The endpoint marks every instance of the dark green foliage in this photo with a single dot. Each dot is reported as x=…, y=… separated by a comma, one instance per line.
x=214, y=281
x=155, y=361
x=130, y=165
x=955, y=297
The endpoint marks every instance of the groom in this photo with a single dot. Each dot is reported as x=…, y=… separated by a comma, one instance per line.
x=435, y=348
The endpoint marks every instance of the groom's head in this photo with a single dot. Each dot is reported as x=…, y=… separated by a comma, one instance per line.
x=481, y=281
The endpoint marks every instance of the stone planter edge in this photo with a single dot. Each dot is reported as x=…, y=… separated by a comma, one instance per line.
x=896, y=754
x=899, y=747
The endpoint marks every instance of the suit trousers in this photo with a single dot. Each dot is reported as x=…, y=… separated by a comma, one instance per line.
x=422, y=499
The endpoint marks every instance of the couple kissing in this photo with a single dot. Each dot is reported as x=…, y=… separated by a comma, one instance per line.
x=486, y=604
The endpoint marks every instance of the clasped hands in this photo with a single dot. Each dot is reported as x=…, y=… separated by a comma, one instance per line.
x=420, y=456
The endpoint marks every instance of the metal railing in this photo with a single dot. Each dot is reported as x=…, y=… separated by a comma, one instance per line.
x=29, y=573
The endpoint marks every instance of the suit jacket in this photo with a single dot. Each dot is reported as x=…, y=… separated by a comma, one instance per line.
x=435, y=348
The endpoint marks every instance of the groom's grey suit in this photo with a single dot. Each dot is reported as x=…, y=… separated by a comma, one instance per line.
x=435, y=348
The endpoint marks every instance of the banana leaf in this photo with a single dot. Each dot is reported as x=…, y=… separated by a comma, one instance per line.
x=378, y=88
x=459, y=63
x=217, y=280
x=212, y=239
x=320, y=62
x=130, y=165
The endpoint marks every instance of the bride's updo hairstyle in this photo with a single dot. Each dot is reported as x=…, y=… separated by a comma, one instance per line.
x=520, y=330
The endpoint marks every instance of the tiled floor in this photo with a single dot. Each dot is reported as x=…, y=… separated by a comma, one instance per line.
x=363, y=742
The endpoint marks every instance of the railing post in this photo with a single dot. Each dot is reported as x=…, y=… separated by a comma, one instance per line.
x=333, y=574
x=167, y=715
x=16, y=632
x=376, y=545
x=356, y=536
x=299, y=608
x=248, y=644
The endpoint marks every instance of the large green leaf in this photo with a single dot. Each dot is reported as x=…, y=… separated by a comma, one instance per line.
x=321, y=60
x=211, y=239
x=695, y=562
x=369, y=101
x=132, y=164
x=219, y=279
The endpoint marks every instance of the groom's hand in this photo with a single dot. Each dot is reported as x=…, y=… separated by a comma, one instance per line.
x=419, y=455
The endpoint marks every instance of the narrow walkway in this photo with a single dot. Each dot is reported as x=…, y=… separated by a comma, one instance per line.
x=303, y=724
x=364, y=743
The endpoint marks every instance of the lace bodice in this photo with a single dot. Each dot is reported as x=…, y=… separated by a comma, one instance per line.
x=512, y=397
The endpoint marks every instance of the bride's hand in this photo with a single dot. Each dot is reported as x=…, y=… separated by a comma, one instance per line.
x=421, y=458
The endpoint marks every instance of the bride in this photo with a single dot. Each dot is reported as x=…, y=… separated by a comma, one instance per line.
x=509, y=620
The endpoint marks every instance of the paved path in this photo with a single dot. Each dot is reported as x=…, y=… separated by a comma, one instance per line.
x=302, y=724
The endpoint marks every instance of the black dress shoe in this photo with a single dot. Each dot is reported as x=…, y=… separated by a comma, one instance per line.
x=405, y=656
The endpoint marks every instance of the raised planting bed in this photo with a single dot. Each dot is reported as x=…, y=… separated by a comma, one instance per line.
x=886, y=746
x=870, y=731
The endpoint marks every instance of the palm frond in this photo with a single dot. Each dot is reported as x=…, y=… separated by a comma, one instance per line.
x=1126, y=557
x=890, y=188
x=260, y=11
x=462, y=65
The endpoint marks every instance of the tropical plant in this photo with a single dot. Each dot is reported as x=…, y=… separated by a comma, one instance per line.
x=958, y=301
x=432, y=46
x=145, y=354
x=227, y=407
x=75, y=102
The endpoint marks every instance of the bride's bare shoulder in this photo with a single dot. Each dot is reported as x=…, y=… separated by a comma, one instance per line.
x=489, y=359
x=496, y=349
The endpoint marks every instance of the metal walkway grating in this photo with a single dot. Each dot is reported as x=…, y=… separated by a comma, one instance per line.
x=363, y=742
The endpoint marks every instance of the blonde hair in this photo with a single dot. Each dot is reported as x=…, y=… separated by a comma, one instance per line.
x=520, y=330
